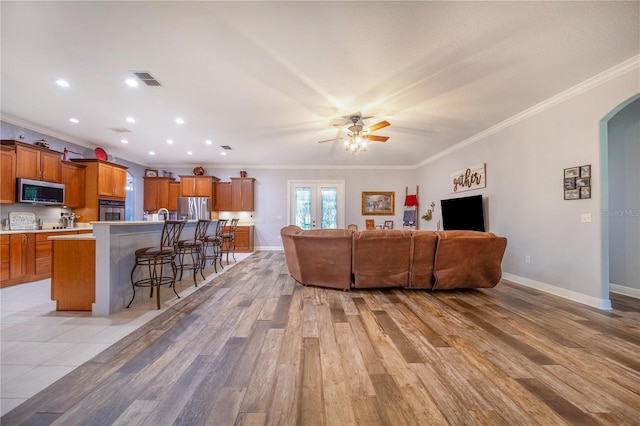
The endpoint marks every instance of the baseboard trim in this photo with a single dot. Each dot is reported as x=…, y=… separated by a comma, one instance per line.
x=624, y=290
x=602, y=304
x=270, y=248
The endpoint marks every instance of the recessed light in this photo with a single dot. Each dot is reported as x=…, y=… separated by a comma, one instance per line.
x=180, y=120
x=208, y=142
x=131, y=120
x=189, y=153
x=124, y=141
x=170, y=141
x=74, y=120
x=223, y=153
x=62, y=83
x=131, y=82
x=152, y=153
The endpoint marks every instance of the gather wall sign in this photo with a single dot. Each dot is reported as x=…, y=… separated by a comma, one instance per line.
x=473, y=177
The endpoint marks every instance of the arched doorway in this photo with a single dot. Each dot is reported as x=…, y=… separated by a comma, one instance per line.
x=619, y=152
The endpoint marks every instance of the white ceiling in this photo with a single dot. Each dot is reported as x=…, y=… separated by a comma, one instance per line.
x=270, y=79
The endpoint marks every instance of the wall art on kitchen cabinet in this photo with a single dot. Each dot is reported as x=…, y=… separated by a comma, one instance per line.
x=577, y=182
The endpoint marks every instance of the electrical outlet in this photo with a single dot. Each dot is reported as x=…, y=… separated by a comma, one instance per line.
x=527, y=259
x=585, y=218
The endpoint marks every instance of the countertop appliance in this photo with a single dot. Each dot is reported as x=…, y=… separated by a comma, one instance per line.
x=111, y=210
x=39, y=192
x=194, y=208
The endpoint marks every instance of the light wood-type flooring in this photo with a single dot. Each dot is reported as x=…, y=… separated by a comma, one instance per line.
x=254, y=347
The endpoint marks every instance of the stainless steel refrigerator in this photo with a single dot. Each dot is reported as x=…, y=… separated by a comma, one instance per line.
x=194, y=208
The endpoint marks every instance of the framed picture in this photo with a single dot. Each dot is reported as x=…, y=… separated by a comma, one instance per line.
x=370, y=224
x=585, y=171
x=569, y=183
x=150, y=173
x=580, y=182
x=378, y=203
x=388, y=224
x=585, y=192
x=572, y=194
x=572, y=172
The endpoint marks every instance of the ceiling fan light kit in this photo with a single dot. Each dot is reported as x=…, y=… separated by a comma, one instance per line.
x=357, y=136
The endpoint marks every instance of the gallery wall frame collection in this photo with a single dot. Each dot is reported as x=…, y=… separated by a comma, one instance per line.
x=577, y=182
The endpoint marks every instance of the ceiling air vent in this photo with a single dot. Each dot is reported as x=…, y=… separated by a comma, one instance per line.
x=225, y=147
x=146, y=78
x=120, y=129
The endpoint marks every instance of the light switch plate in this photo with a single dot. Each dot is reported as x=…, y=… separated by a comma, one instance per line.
x=586, y=217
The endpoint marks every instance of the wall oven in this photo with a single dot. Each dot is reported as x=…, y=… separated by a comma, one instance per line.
x=111, y=210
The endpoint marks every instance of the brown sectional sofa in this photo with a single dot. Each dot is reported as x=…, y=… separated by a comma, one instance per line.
x=344, y=259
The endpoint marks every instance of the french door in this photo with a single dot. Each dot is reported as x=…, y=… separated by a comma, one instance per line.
x=316, y=204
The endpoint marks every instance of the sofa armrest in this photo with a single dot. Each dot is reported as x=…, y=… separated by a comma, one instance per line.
x=467, y=259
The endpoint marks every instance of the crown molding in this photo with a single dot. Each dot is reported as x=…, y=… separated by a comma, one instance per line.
x=632, y=64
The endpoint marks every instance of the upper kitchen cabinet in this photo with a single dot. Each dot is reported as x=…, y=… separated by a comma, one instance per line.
x=242, y=194
x=7, y=175
x=103, y=180
x=197, y=186
x=73, y=177
x=156, y=193
x=36, y=162
x=174, y=193
x=112, y=180
x=223, y=197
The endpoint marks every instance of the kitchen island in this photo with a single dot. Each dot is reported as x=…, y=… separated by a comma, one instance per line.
x=116, y=243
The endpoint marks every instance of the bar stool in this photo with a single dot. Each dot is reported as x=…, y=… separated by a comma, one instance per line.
x=213, y=244
x=156, y=258
x=229, y=240
x=194, y=249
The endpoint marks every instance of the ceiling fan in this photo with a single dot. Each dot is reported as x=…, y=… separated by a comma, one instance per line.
x=357, y=135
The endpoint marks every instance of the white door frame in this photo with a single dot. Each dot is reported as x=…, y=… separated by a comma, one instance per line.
x=341, y=215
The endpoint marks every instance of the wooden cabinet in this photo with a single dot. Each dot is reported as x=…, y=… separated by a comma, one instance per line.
x=112, y=180
x=156, y=193
x=235, y=196
x=103, y=180
x=174, y=193
x=7, y=175
x=26, y=257
x=73, y=177
x=242, y=194
x=223, y=196
x=197, y=186
x=14, y=250
x=243, y=238
x=35, y=162
x=73, y=287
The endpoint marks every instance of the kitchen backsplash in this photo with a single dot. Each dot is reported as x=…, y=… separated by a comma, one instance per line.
x=47, y=214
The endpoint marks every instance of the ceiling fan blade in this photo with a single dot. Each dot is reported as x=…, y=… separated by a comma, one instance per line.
x=330, y=140
x=377, y=126
x=376, y=138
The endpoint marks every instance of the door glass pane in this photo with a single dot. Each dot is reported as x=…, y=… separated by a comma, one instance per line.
x=303, y=207
x=329, y=208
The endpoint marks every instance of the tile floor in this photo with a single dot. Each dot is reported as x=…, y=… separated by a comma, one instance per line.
x=39, y=345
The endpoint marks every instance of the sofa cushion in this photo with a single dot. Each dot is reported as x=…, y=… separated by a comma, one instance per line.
x=424, y=252
x=319, y=257
x=381, y=258
x=468, y=259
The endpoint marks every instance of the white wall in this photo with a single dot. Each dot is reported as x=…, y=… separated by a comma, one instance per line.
x=525, y=162
x=271, y=191
x=624, y=199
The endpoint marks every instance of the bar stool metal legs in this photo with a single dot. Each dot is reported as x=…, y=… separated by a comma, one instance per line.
x=229, y=240
x=213, y=245
x=194, y=248
x=157, y=259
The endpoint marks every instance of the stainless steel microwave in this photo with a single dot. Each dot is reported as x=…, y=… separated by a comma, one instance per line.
x=39, y=192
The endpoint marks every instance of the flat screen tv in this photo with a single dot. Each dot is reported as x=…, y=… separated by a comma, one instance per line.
x=463, y=213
